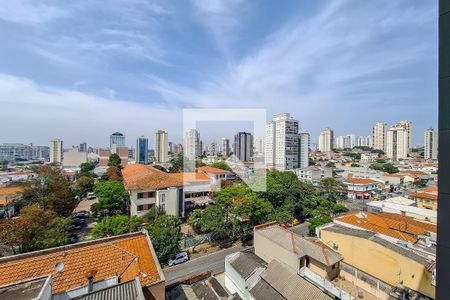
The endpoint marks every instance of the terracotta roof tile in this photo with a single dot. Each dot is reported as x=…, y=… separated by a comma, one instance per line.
x=360, y=181
x=11, y=190
x=126, y=256
x=190, y=177
x=139, y=177
x=380, y=224
x=430, y=193
x=212, y=170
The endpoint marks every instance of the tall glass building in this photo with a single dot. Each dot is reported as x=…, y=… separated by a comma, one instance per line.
x=142, y=150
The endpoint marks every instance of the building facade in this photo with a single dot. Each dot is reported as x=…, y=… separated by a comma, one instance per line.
x=161, y=146
x=430, y=144
x=141, y=154
x=285, y=148
x=397, y=142
x=56, y=151
x=225, y=149
x=379, y=136
x=243, y=146
x=116, y=140
x=192, y=145
x=326, y=140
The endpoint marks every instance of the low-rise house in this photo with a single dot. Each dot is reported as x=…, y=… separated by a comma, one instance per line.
x=402, y=209
x=366, y=252
x=368, y=157
x=313, y=174
x=15, y=176
x=271, y=241
x=150, y=187
x=8, y=196
x=79, y=270
x=197, y=187
x=426, y=198
x=216, y=174
x=360, y=188
x=250, y=277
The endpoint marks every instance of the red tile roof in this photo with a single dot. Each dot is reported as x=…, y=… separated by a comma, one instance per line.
x=430, y=193
x=139, y=177
x=190, y=177
x=360, y=181
x=399, y=227
x=13, y=190
x=127, y=256
x=209, y=169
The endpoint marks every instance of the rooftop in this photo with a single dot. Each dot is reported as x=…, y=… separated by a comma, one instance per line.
x=359, y=181
x=209, y=169
x=393, y=225
x=299, y=245
x=280, y=282
x=190, y=177
x=245, y=263
x=372, y=236
x=139, y=177
x=430, y=193
x=12, y=190
x=126, y=256
x=130, y=290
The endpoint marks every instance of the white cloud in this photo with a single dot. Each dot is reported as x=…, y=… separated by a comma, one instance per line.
x=28, y=12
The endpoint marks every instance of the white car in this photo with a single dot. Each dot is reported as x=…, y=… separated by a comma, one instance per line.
x=179, y=259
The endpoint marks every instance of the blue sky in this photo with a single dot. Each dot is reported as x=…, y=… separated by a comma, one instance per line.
x=80, y=70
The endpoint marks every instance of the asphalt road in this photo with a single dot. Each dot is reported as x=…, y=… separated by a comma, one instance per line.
x=214, y=262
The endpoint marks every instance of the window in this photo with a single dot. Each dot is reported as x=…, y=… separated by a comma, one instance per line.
x=140, y=195
x=163, y=207
x=140, y=207
x=163, y=198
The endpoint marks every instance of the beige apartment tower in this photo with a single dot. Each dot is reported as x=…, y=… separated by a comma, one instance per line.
x=161, y=146
x=379, y=136
x=326, y=140
x=56, y=151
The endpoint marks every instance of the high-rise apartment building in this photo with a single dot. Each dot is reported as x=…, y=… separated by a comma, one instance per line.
x=339, y=142
x=56, y=151
x=116, y=140
x=397, y=142
x=82, y=147
x=304, y=150
x=430, y=144
x=225, y=149
x=243, y=146
x=141, y=154
x=408, y=127
x=379, y=136
x=192, y=145
x=326, y=140
x=161, y=146
x=283, y=143
x=258, y=145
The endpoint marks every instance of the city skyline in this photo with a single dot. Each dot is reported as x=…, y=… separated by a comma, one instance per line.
x=64, y=66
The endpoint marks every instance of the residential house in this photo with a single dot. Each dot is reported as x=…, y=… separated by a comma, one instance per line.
x=216, y=174
x=150, y=187
x=367, y=255
x=361, y=188
x=82, y=269
x=197, y=187
x=313, y=174
x=8, y=196
x=426, y=198
x=250, y=277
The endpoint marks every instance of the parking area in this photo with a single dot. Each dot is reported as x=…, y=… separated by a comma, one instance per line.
x=83, y=222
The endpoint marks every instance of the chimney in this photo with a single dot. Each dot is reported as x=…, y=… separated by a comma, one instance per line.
x=90, y=277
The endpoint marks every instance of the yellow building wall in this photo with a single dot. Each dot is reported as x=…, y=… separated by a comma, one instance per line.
x=381, y=262
x=428, y=204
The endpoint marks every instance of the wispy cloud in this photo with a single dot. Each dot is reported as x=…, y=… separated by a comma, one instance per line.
x=28, y=12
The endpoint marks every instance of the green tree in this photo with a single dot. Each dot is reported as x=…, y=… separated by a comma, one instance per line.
x=332, y=189
x=84, y=185
x=112, y=199
x=87, y=167
x=221, y=165
x=282, y=215
x=55, y=233
x=315, y=222
x=51, y=190
x=177, y=164
x=354, y=165
x=330, y=165
x=214, y=220
x=151, y=215
x=165, y=235
x=116, y=225
x=195, y=220
x=115, y=161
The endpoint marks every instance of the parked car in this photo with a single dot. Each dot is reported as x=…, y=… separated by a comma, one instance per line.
x=91, y=196
x=82, y=214
x=73, y=238
x=179, y=259
x=75, y=227
x=79, y=222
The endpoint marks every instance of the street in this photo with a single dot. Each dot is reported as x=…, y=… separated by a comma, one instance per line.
x=214, y=262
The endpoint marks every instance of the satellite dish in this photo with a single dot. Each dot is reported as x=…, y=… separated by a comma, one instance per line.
x=59, y=267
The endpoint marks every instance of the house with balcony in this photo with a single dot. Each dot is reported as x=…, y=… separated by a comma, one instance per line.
x=216, y=174
x=361, y=188
x=197, y=187
x=426, y=198
x=149, y=187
